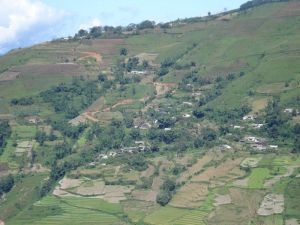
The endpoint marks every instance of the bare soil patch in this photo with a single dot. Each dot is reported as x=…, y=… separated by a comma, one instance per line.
x=259, y=104
x=67, y=69
x=271, y=204
x=94, y=55
x=241, y=182
x=9, y=75
x=96, y=188
x=2, y=222
x=163, y=88
x=157, y=182
x=212, y=173
x=144, y=195
x=222, y=200
x=148, y=172
x=292, y=222
x=67, y=183
x=195, y=168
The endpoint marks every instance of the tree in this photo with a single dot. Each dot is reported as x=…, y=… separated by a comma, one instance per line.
x=147, y=24
x=123, y=51
x=82, y=33
x=135, y=134
x=296, y=148
x=40, y=137
x=6, y=184
x=209, y=134
x=198, y=113
x=96, y=32
x=163, y=198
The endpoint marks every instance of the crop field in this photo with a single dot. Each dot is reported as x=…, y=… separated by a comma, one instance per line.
x=70, y=211
x=257, y=177
x=30, y=85
x=192, y=167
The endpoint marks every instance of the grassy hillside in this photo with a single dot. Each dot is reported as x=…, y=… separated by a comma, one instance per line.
x=197, y=123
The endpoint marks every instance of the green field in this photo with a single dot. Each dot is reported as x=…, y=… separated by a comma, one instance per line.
x=257, y=177
x=70, y=211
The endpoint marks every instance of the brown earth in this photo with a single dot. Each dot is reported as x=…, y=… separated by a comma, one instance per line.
x=9, y=75
x=163, y=88
x=94, y=55
x=67, y=69
x=212, y=173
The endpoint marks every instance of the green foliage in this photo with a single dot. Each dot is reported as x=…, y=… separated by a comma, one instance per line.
x=292, y=199
x=123, y=51
x=5, y=132
x=137, y=162
x=167, y=190
x=72, y=98
x=163, y=198
x=22, y=101
x=6, y=184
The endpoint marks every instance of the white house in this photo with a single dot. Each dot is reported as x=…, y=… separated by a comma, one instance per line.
x=249, y=117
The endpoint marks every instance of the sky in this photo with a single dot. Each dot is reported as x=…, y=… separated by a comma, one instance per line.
x=27, y=22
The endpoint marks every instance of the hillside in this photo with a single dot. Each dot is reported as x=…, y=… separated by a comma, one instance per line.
x=197, y=122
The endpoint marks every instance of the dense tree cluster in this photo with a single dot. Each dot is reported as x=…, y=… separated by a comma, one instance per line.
x=5, y=133
x=6, y=184
x=167, y=191
x=22, y=101
x=70, y=99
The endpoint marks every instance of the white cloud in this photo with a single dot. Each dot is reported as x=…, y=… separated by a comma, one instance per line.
x=25, y=22
x=93, y=23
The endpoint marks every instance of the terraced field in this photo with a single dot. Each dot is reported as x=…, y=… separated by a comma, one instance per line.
x=71, y=211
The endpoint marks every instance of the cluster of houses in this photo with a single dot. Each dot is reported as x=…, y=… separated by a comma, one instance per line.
x=140, y=146
x=138, y=72
x=259, y=144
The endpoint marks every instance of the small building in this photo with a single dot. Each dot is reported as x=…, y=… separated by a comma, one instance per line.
x=256, y=140
x=186, y=115
x=237, y=127
x=288, y=110
x=197, y=94
x=225, y=147
x=273, y=146
x=168, y=129
x=187, y=103
x=259, y=147
x=257, y=125
x=138, y=72
x=249, y=117
x=33, y=119
x=145, y=126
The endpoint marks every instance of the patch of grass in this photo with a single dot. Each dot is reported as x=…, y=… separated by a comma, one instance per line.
x=73, y=211
x=292, y=199
x=23, y=195
x=30, y=85
x=257, y=177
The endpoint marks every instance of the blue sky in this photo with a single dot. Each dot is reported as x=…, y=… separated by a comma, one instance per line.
x=27, y=22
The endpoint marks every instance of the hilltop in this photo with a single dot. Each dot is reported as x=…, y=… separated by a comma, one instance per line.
x=195, y=121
